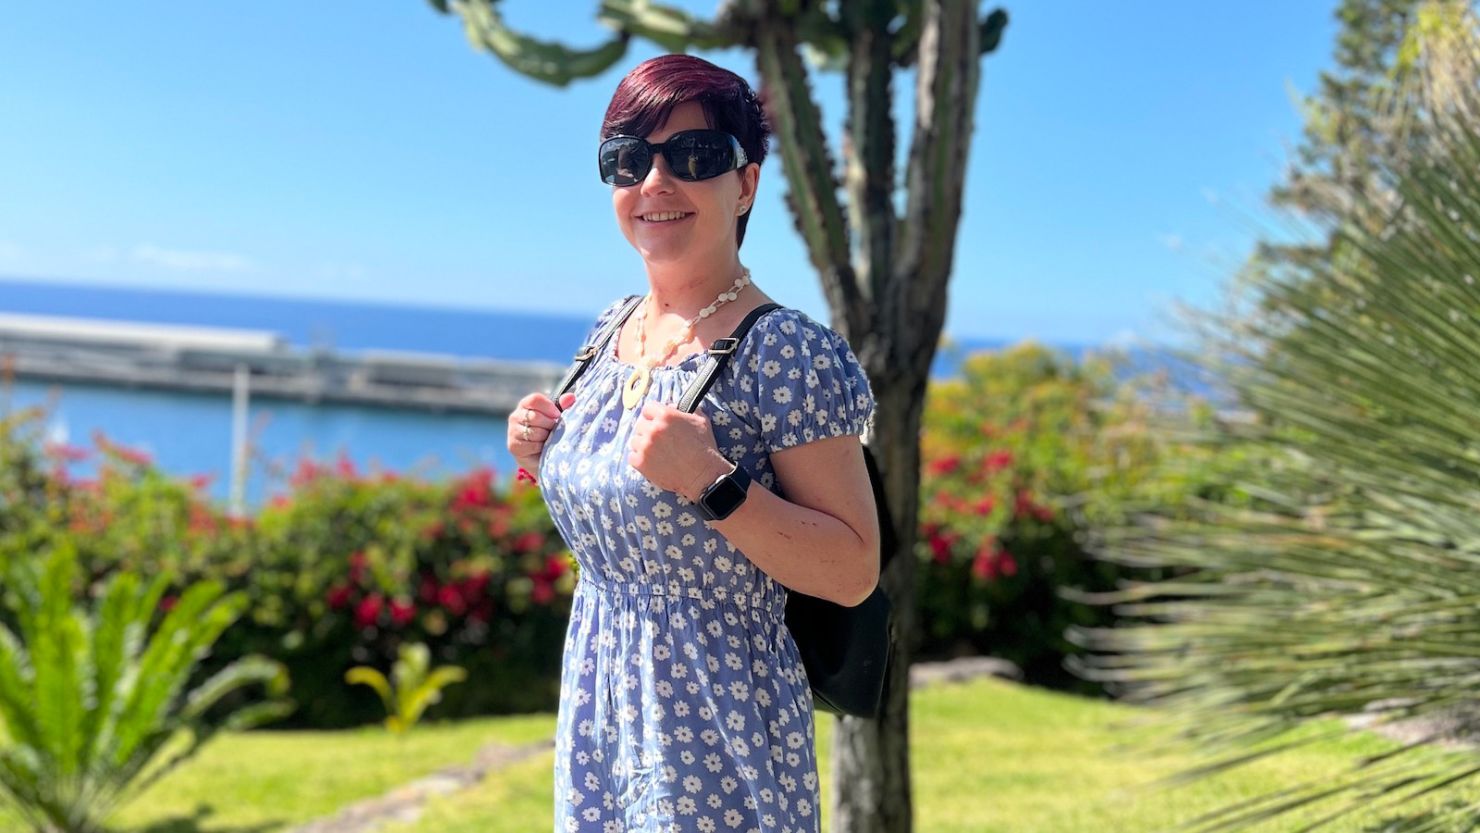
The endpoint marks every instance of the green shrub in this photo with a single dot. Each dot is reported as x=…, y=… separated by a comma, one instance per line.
x=96, y=704
x=340, y=568
x=412, y=687
x=1022, y=454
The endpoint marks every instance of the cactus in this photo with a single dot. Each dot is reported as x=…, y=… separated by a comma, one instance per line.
x=884, y=272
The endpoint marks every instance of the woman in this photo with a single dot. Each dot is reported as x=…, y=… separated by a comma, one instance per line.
x=684, y=705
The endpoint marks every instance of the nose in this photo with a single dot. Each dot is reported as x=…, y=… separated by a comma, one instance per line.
x=659, y=179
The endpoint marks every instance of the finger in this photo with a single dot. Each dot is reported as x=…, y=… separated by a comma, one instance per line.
x=541, y=404
x=567, y=400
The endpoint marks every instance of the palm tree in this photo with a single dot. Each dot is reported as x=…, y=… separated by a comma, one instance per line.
x=94, y=707
x=1344, y=579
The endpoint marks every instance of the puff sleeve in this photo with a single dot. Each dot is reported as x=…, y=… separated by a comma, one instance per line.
x=802, y=381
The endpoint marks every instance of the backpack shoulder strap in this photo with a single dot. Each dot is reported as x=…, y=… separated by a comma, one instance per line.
x=719, y=356
x=594, y=347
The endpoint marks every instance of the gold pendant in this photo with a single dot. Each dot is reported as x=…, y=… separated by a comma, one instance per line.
x=636, y=386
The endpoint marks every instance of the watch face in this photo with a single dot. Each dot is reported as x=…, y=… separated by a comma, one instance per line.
x=722, y=498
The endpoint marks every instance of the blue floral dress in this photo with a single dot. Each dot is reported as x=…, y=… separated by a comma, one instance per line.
x=684, y=705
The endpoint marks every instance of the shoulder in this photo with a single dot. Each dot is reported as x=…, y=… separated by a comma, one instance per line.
x=787, y=333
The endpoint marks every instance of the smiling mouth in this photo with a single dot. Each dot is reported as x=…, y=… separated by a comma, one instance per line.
x=663, y=216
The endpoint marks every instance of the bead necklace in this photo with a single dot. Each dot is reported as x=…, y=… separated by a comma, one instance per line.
x=636, y=387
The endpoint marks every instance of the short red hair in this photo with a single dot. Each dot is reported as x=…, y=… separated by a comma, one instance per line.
x=647, y=95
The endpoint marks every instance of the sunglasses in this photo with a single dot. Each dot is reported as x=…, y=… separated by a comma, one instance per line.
x=692, y=155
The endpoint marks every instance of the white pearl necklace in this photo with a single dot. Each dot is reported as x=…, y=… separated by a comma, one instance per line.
x=636, y=387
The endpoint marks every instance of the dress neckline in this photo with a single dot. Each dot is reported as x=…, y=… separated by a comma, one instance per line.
x=688, y=362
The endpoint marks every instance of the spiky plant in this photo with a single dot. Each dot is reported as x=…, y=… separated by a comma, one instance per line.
x=95, y=705
x=1345, y=583
x=414, y=684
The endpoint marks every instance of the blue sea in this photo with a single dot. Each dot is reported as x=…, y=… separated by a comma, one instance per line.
x=190, y=434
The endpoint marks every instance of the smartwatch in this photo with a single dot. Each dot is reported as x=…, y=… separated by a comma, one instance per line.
x=724, y=495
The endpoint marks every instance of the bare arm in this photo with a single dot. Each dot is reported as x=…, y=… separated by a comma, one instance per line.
x=822, y=538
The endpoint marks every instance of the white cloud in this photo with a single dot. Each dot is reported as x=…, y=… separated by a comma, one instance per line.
x=188, y=261
x=1173, y=242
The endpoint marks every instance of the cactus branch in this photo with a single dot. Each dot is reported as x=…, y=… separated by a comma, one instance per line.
x=673, y=29
x=868, y=148
x=945, y=103
x=808, y=165
x=546, y=61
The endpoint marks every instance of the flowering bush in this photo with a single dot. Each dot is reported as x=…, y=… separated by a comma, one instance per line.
x=341, y=568
x=1020, y=454
x=351, y=567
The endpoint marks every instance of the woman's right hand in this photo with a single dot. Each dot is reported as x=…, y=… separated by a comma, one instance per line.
x=530, y=425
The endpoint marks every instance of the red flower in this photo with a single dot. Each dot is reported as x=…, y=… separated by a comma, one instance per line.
x=477, y=490
x=986, y=505
x=543, y=592
x=1007, y=564
x=940, y=546
x=402, y=612
x=555, y=567
x=528, y=542
x=279, y=501
x=368, y=610
x=338, y=596
x=473, y=588
x=345, y=467
x=201, y=482
x=449, y=598
x=308, y=471
x=982, y=566
x=997, y=460
x=945, y=465
x=168, y=603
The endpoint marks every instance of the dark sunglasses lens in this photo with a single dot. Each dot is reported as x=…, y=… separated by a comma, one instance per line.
x=703, y=154
x=623, y=161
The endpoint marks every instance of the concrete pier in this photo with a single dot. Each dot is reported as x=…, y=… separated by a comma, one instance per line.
x=205, y=359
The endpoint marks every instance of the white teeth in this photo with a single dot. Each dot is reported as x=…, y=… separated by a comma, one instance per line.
x=664, y=216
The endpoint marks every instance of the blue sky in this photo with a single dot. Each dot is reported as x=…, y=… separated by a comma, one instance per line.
x=366, y=151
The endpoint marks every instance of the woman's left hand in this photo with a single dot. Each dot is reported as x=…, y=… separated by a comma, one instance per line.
x=675, y=450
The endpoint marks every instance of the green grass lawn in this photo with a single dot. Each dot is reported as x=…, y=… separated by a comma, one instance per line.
x=988, y=756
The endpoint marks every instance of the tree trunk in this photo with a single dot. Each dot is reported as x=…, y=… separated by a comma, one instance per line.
x=871, y=790
x=903, y=266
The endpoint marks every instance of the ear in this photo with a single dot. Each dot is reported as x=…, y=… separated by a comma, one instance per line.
x=750, y=180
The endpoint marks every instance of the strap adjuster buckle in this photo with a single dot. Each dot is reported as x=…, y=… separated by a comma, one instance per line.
x=586, y=353
x=724, y=346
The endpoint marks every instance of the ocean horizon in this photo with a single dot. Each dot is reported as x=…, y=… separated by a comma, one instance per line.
x=188, y=434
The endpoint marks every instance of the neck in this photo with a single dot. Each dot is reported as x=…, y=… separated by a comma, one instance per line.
x=685, y=288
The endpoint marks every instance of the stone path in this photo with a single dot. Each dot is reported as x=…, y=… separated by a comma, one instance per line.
x=406, y=803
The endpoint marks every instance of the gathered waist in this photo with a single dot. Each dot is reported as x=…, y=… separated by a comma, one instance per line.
x=767, y=603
